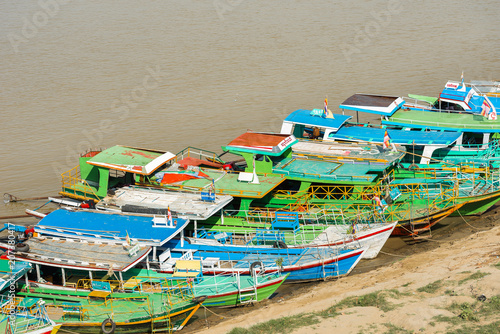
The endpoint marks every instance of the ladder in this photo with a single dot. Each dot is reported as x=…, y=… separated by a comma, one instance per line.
x=248, y=296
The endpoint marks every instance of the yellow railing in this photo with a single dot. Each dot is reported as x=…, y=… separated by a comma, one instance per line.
x=170, y=288
x=72, y=185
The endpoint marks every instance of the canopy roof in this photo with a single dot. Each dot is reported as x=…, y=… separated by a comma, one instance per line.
x=112, y=227
x=83, y=255
x=305, y=117
x=401, y=137
x=464, y=122
x=261, y=143
x=375, y=104
x=325, y=171
x=131, y=159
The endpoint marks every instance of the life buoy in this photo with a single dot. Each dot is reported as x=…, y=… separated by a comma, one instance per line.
x=256, y=264
x=279, y=244
x=22, y=247
x=108, y=330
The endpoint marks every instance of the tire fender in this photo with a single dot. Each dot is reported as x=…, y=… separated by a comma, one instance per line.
x=22, y=247
x=108, y=330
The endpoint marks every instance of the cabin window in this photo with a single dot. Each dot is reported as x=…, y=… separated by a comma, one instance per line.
x=116, y=173
x=450, y=106
x=472, y=139
x=118, y=178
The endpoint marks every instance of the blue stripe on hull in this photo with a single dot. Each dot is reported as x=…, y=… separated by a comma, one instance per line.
x=331, y=270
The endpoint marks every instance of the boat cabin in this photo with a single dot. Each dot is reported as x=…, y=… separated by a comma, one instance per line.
x=458, y=137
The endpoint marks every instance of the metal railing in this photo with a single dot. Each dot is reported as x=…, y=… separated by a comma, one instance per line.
x=73, y=185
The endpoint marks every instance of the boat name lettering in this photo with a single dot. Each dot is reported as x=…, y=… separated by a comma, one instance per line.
x=284, y=142
x=133, y=251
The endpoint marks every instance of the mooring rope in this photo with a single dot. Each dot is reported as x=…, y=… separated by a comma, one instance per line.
x=206, y=309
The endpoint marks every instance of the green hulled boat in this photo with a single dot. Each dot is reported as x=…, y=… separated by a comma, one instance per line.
x=103, y=311
x=65, y=265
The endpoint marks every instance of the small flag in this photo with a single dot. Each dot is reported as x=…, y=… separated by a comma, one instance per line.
x=127, y=239
x=484, y=112
x=378, y=201
x=462, y=78
x=169, y=214
x=326, y=108
x=485, y=109
x=387, y=140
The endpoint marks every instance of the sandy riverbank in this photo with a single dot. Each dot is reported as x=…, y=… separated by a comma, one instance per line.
x=421, y=288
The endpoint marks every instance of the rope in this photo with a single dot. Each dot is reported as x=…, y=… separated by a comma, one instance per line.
x=466, y=221
x=392, y=254
x=206, y=309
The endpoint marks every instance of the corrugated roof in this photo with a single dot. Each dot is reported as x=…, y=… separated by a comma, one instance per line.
x=304, y=117
x=401, y=137
x=107, y=226
x=375, y=104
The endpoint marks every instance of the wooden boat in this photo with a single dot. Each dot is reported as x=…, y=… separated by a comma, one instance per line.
x=74, y=263
x=307, y=264
x=425, y=145
x=103, y=311
x=69, y=224
x=100, y=310
x=189, y=200
x=470, y=109
x=299, y=230
x=313, y=181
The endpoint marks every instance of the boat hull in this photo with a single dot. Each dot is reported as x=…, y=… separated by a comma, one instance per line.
x=262, y=292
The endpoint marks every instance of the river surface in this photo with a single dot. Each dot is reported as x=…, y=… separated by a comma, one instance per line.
x=81, y=74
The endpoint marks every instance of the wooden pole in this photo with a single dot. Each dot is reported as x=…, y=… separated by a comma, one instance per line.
x=16, y=216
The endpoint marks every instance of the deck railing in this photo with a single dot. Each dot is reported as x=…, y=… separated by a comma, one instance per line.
x=198, y=153
x=73, y=185
x=176, y=291
x=25, y=319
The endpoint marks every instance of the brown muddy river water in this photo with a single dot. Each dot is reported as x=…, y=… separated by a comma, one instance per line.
x=168, y=74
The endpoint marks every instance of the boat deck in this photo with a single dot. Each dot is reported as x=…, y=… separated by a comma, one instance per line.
x=322, y=170
x=368, y=153
x=401, y=137
x=307, y=256
x=81, y=254
x=228, y=184
x=187, y=204
x=134, y=308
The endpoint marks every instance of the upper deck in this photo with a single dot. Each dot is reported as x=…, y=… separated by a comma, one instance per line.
x=231, y=184
x=317, y=170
